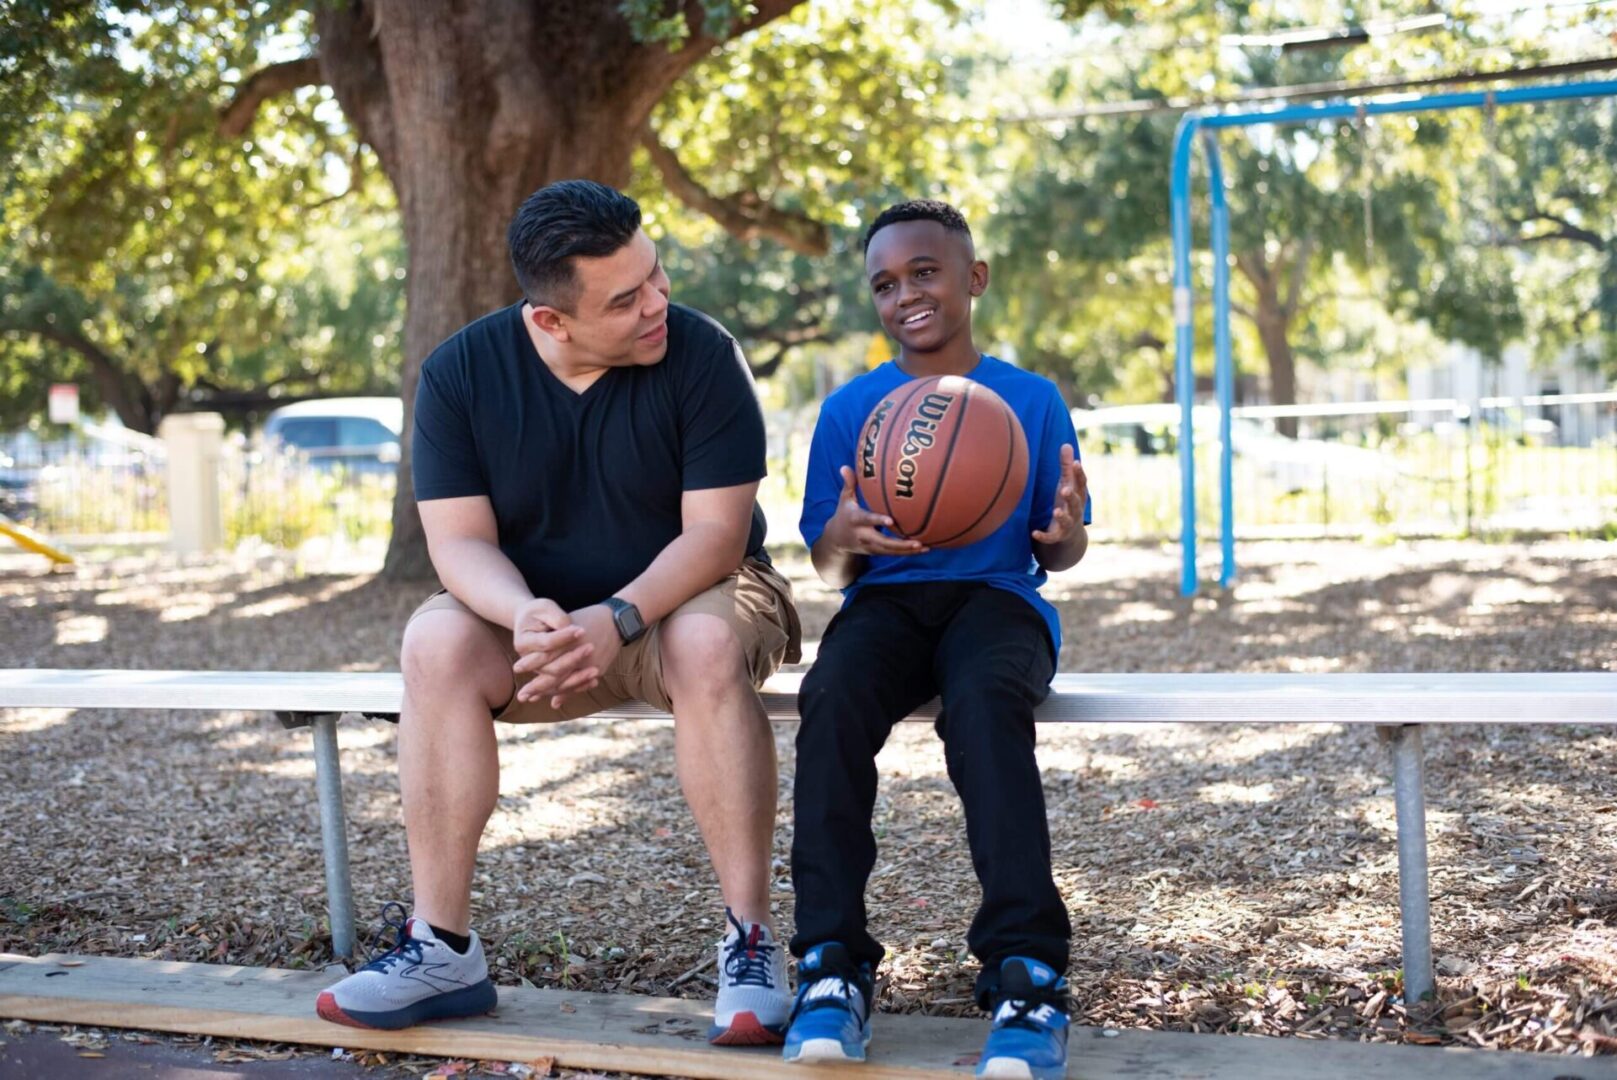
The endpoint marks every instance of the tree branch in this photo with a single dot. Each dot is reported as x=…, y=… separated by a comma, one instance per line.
x=783, y=349
x=263, y=84
x=1566, y=231
x=351, y=62
x=744, y=216
x=699, y=43
x=1253, y=267
x=132, y=404
x=803, y=318
x=793, y=336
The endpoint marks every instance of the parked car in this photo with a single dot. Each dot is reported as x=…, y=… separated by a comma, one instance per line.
x=18, y=491
x=359, y=433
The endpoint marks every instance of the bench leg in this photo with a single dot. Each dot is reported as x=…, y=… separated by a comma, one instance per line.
x=334, y=835
x=1409, y=797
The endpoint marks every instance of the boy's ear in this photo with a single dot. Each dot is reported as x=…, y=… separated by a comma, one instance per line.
x=979, y=278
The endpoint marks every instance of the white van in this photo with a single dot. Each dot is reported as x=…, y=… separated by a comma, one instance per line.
x=360, y=433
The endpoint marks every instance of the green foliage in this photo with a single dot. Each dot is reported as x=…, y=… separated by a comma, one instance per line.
x=157, y=263
x=1471, y=239
x=831, y=114
x=652, y=21
x=154, y=261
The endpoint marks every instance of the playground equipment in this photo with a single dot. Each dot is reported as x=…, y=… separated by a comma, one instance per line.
x=29, y=540
x=1207, y=126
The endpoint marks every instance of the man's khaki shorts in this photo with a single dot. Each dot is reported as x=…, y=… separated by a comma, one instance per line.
x=756, y=602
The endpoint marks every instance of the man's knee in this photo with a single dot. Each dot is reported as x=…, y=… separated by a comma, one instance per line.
x=701, y=652
x=450, y=653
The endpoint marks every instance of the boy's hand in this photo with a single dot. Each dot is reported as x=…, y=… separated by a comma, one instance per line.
x=1071, y=496
x=858, y=531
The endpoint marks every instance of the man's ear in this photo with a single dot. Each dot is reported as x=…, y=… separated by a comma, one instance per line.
x=979, y=278
x=548, y=320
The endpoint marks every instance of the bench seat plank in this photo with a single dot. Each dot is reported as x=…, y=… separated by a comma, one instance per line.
x=1465, y=697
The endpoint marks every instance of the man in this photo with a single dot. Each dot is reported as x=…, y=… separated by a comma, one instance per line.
x=966, y=624
x=585, y=462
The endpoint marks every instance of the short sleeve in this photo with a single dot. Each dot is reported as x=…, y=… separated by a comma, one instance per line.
x=443, y=450
x=829, y=450
x=721, y=424
x=1058, y=432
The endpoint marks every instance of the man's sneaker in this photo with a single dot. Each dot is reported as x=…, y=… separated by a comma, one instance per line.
x=754, y=1003
x=1029, y=1038
x=420, y=978
x=831, y=1019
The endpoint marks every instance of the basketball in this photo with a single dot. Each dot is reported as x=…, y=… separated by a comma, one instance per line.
x=945, y=458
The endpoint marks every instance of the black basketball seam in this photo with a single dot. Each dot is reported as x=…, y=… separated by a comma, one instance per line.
x=881, y=470
x=948, y=457
x=1010, y=459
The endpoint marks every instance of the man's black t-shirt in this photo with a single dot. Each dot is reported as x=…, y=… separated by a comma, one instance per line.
x=586, y=487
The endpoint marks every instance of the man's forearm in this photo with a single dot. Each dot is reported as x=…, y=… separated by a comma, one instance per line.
x=481, y=576
x=836, y=567
x=699, y=558
x=1063, y=555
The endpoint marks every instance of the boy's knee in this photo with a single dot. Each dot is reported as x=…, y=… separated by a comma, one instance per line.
x=988, y=705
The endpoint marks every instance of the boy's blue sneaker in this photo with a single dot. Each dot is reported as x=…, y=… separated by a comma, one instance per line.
x=1029, y=1038
x=831, y=1019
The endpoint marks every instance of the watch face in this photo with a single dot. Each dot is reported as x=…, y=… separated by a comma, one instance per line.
x=629, y=623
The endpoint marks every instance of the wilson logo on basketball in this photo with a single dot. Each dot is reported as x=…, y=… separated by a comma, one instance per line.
x=919, y=438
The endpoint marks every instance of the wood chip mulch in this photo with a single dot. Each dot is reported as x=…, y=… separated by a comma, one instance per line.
x=1220, y=878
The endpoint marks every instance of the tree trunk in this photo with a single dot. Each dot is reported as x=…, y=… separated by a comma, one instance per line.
x=1273, y=316
x=1273, y=326
x=470, y=107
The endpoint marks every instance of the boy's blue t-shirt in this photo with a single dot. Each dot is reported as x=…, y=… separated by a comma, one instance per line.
x=1004, y=558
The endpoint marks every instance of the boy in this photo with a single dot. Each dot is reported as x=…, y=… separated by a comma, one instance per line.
x=967, y=624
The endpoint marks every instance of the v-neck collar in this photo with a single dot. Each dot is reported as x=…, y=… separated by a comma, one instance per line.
x=545, y=371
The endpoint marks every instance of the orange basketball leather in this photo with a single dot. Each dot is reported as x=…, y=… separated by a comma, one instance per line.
x=945, y=458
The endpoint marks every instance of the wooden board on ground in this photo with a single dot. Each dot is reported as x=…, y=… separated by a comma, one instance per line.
x=667, y=1036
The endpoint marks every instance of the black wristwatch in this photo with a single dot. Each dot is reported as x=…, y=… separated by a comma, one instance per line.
x=626, y=617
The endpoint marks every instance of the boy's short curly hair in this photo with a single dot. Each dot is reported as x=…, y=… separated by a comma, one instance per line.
x=918, y=210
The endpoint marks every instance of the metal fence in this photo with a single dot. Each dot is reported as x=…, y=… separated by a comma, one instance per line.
x=286, y=498
x=94, y=484
x=1395, y=469
x=99, y=486
x=1411, y=468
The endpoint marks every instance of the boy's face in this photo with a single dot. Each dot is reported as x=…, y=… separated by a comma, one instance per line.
x=923, y=277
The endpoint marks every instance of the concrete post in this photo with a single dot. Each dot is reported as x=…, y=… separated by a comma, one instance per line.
x=194, y=442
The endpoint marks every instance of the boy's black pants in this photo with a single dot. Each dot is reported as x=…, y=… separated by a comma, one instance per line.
x=987, y=652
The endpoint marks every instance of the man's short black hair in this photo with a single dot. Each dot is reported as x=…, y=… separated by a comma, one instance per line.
x=561, y=222
x=919, y=210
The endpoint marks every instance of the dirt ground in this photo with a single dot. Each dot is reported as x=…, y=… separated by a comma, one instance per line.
x=1220, y=879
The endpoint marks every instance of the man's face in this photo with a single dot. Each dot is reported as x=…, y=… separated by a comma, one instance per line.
x=923, y=277
x=621, y=315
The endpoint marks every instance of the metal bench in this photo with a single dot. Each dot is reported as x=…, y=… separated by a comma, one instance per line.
x=1397, y=704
